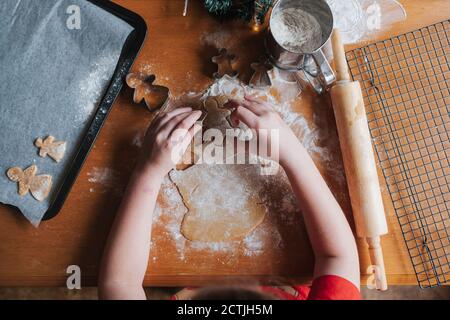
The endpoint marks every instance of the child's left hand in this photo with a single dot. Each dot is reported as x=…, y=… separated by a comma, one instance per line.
x=167, y=139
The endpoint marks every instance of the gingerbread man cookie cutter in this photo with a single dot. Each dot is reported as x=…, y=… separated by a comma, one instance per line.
x=154, y=96
x=261, y=78
x=224, y=63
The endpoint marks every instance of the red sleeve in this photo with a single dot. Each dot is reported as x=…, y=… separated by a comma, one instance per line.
x=333, y=288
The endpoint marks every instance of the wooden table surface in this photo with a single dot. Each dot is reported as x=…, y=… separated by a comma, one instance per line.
x=175, y=53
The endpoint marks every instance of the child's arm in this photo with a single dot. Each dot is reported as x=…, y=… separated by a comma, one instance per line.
x=329, y=232
x=127, y=251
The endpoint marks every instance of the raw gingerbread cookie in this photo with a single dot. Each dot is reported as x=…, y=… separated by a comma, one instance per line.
x=216, y=114
x=154, y=96
x=54, y=149
x=28, y=181
x=224, y=63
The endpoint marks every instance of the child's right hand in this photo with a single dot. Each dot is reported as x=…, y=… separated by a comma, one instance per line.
x=258, y=114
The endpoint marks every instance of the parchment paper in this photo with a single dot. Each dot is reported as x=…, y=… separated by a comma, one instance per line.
x=51, y=81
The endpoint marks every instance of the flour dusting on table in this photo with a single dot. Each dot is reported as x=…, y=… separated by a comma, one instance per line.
x=106, y=179
x=221, y=38
x=138, y=140
x=280, y=202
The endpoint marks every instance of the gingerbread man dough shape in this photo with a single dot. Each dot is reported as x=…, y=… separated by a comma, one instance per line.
x=154, y=96
x=28, y=181
x=54, y=149
x=216, y=115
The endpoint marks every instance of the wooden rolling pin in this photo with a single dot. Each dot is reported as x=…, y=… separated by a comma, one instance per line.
x=359, y=161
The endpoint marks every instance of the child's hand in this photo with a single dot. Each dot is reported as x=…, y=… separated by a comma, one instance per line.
x=167, y=139
x=258, y=114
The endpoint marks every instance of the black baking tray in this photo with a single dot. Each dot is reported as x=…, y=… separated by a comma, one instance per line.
x=129, y=52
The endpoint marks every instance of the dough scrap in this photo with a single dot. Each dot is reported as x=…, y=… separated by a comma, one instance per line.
x=28, y=181
x=226, y=210
x=54, y=149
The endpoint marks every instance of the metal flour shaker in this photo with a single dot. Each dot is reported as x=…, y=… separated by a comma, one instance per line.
x=314, y=64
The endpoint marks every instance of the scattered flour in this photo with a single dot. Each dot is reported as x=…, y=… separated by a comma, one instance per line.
x=104, y=176
x=221, y=38
x=319, y=141
x=222, y=178
x=147, y=68
x=171, y=216
x=108, y=179
x=138, y=140
x=286, y=93
x=296, y=30
x=359, y=19
x=93, y=87
x=254, y=243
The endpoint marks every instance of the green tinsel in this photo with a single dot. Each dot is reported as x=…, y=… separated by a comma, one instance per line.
x=262, y=7
x=242, y=9
x=219, y=7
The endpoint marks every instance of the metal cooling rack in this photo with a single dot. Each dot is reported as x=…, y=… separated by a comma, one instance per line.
x=405, y=82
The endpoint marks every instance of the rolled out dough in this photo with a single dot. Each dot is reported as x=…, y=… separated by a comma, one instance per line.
x=223, y=201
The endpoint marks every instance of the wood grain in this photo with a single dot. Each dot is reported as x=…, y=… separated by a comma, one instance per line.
x=174, y=52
